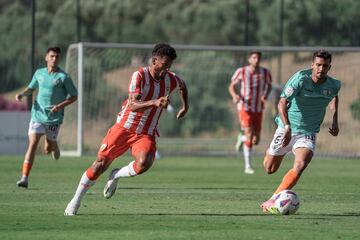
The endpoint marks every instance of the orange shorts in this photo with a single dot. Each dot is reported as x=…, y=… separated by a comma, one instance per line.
x=250, y=119
x=118, y=140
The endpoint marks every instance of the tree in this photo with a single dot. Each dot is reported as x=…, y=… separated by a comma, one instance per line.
x=355, y=109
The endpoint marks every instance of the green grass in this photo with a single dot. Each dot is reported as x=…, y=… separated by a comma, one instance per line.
x=179, y=198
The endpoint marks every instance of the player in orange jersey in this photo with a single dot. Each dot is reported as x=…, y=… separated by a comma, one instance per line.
x=249, y=88
x=136, y=124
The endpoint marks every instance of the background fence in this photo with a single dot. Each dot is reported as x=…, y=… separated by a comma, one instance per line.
x=211, y=125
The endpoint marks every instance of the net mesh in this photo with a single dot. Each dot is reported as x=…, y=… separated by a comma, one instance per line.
x=211, y=125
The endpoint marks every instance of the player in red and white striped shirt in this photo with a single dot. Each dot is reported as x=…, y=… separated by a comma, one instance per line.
x=249, y=88
x=136, y=124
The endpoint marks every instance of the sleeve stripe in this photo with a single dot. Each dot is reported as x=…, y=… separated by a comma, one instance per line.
x=236, y=75
x=134, y=80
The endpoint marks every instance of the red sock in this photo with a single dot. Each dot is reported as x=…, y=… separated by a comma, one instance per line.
x=289, y=181
x=26, y=168
x=248, y=144
x=91, y=175
x=136, y=169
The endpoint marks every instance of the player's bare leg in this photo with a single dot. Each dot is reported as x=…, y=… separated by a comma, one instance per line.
x=241, y=138
x=143, y=161
x=53, y=148
x=256, y=138
x=271, y=165
x=303, y=157
x=247, y=148
x=87, y=180
x=29, y=160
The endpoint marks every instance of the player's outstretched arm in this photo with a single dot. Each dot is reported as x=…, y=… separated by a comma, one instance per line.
x=232, y=92
x=334, y=130
x=268, y=87
x=283, y=113
x=26, y=92
x=136, y=105
x=63, y=104
x=183, y=93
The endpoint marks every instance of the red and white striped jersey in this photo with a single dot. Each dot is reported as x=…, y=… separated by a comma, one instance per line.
x=252, y=86
x=142, y=83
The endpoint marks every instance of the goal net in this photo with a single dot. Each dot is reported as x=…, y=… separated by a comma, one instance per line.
x=102, y=73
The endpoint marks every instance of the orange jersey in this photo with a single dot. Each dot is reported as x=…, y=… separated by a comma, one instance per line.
x=142, y=83
x=252, y=86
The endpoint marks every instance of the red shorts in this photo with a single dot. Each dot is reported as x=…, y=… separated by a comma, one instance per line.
x=250, y=119
x=118, y=140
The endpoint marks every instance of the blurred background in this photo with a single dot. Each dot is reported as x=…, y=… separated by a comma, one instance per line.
x=212, y=39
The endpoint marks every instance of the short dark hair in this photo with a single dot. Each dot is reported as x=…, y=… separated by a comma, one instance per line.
x=54, y=49
x=164, y=49
x=255, y=52
x=322, y=54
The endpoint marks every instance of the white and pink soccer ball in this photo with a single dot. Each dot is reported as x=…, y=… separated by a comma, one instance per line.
x=287, y=202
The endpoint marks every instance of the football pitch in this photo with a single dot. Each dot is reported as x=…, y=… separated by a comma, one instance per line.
x=179, y=198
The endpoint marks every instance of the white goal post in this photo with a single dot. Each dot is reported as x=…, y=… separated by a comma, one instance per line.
x=101, y=72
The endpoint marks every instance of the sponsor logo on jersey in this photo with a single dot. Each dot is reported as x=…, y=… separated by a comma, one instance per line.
x=103, y=146
x=56, y=82
x=289, y=91
x=326, y=92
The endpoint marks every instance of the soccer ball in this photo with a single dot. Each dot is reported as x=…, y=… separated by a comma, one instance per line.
x=287, y=202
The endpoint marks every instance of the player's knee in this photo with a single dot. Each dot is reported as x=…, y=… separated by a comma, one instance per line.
x=143, y=163
x=47, y=148
x=269, y=167
x=270, y=170
x=256, y=138
x=100, y=166
x=300, y=167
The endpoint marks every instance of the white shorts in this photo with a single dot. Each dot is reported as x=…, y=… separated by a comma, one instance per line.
x=51, y=131
x=298, y=140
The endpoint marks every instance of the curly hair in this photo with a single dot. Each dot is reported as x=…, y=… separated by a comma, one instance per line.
x=322, y=54
x=54, y=49
x=163, y=49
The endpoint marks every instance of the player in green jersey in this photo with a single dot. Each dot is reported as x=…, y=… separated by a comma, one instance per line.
x=55, y=91
x=302, y=107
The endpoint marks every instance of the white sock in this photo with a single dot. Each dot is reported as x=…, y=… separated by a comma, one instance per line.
x=127, y=171
x=24, y=178
x=247, y=156
x=84, y=184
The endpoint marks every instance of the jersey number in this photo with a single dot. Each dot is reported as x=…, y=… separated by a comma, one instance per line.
x=310, y=137
x=53, y=127
x=277, y=140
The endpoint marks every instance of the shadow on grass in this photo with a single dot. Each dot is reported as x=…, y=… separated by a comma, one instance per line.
x=189, y=188
x=327, y=215
x=296, y=216
x=180, y=214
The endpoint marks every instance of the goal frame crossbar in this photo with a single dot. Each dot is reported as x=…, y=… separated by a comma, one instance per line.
x=79, y=151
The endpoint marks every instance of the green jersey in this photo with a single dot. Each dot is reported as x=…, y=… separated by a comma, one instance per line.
x=53, y=88
x=307, y=101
